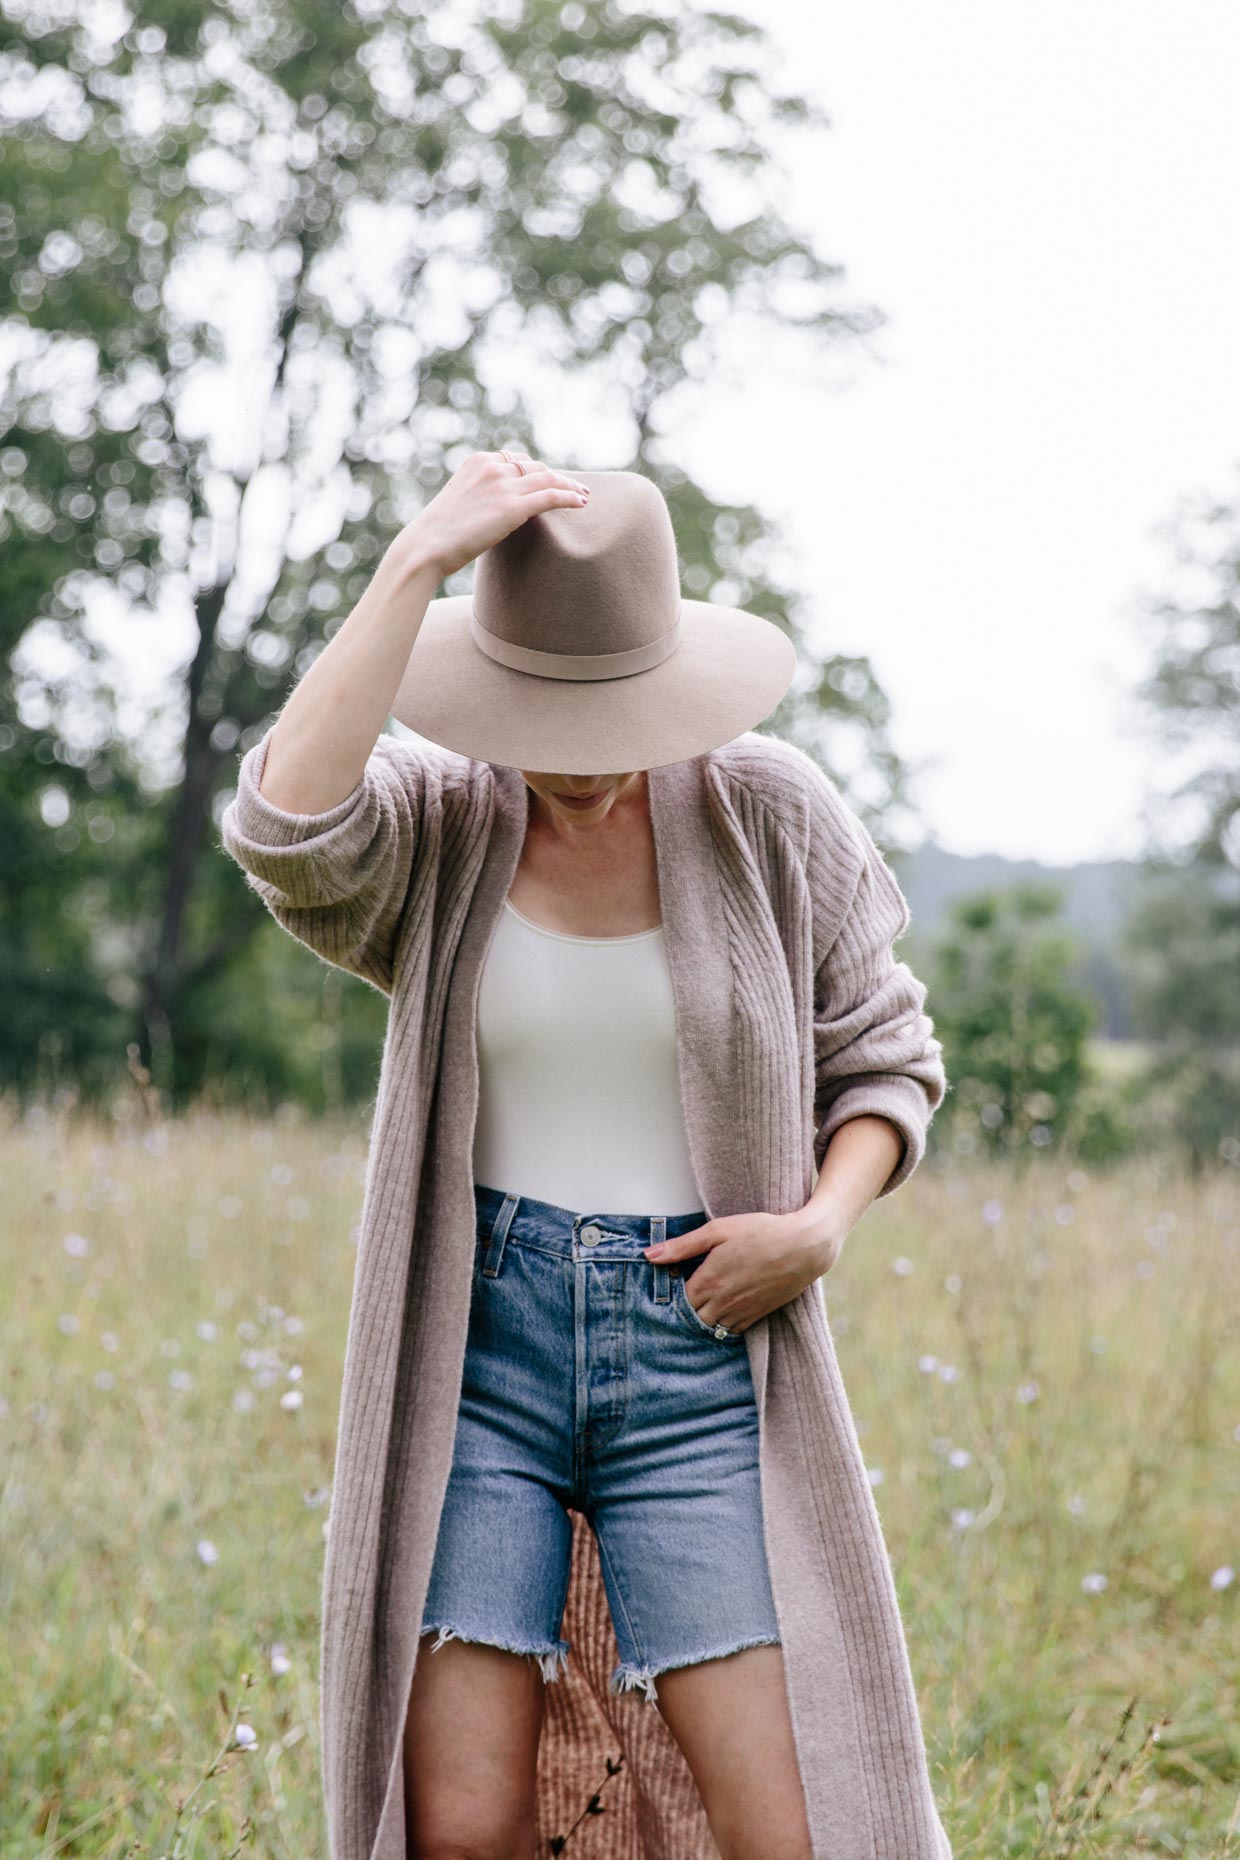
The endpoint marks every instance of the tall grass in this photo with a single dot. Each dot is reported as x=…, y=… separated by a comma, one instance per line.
x=1043, y=1370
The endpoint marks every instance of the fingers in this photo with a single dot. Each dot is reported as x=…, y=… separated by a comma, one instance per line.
x=685, y=1246
x=534, y=475
x=545, y=479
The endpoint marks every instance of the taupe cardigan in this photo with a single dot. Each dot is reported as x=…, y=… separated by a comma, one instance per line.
x=792, y=1015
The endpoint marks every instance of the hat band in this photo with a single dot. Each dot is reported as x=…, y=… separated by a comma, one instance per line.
x=578, y=665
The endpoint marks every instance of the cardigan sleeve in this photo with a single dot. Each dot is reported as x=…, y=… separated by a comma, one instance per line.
x=875, y=1051
x=336, y=880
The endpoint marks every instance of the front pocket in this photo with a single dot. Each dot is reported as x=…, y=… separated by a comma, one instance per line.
x=699, y=1323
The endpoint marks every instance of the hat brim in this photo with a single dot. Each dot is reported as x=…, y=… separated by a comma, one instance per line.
x=729, y=672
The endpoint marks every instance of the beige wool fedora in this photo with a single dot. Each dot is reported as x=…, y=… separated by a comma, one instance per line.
x=577, y=654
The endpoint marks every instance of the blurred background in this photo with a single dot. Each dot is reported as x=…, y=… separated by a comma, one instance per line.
x=924, y=321
x=925, y=325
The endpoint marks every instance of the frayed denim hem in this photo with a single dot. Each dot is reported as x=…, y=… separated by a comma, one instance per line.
x=551, y=1661
x=627, y=1678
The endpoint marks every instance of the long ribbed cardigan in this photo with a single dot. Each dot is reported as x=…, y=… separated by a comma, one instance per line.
x=792, y=1015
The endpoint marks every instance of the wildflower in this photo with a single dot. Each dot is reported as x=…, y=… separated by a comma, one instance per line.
x=294, y=1374
x=927, y=1364
x=67, y=1322
x=207, y=1552
x=1028, y=1391
x=180, y=1379
x=959, y=1457
x=280, y=1662
x=206, y=1330
x=294, y=1326
x=902, y=1266
x=1223, y=1577
x=243, y=1400
x=1094, y=1583
x=245, y=1736
x=992, y=1212
x=875, y=1475
x=110, y=1341
x=291, y=1399
x=962, y=1518
x=77, y=1245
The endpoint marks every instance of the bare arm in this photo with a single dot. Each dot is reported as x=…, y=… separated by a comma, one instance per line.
x=334, y=823
x=331, y=722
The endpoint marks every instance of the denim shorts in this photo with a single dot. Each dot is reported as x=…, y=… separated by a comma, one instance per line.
x=590, y=1384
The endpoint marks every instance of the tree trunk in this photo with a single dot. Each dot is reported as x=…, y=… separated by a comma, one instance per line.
x=190, y=814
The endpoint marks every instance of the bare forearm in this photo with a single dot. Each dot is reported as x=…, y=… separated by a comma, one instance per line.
x=332, y=719
x=327, y=730
x=860, y=1158
x=761, y=1261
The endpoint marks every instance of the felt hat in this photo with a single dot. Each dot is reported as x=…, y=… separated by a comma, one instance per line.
x=577, y=654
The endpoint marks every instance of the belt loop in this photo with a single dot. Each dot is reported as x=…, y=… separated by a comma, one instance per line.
x=662, y=1278
x=499, y=1234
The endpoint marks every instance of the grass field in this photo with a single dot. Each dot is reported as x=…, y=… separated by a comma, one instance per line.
x=1045, y=1376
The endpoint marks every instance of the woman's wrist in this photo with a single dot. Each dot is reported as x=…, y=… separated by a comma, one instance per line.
x=409, y=561
x=818, y=1231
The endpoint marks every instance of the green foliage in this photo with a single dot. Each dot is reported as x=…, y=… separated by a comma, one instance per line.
x=1014, y=1029
x=1181, y=946
x=1040, y=1378
x=594, y=190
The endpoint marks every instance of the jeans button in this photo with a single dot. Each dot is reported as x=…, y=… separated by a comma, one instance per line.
x=590, y=1236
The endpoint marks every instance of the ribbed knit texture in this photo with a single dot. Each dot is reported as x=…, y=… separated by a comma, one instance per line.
x=793, y=1014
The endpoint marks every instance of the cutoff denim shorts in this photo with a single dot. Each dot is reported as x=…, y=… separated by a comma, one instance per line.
x=591, y=1384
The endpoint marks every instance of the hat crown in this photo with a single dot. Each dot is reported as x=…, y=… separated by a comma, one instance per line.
x=592, y=580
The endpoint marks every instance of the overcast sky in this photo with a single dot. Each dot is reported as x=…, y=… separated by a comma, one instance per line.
x=1042, y=198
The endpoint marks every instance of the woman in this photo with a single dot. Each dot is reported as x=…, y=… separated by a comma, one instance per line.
x=592, y=1427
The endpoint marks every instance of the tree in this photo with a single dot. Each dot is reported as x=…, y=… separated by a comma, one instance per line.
x=267, y=273
x=1182, y=943
x=1014, y=1029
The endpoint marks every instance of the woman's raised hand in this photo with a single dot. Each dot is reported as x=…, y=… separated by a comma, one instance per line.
x=484, y=500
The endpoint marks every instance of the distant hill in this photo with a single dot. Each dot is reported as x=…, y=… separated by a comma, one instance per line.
x=1097, y=897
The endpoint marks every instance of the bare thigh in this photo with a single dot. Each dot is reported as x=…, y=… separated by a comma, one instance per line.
x=470, y=1751
x=730, y=1717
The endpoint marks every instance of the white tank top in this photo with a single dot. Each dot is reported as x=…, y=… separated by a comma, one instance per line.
x=579, y=1088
